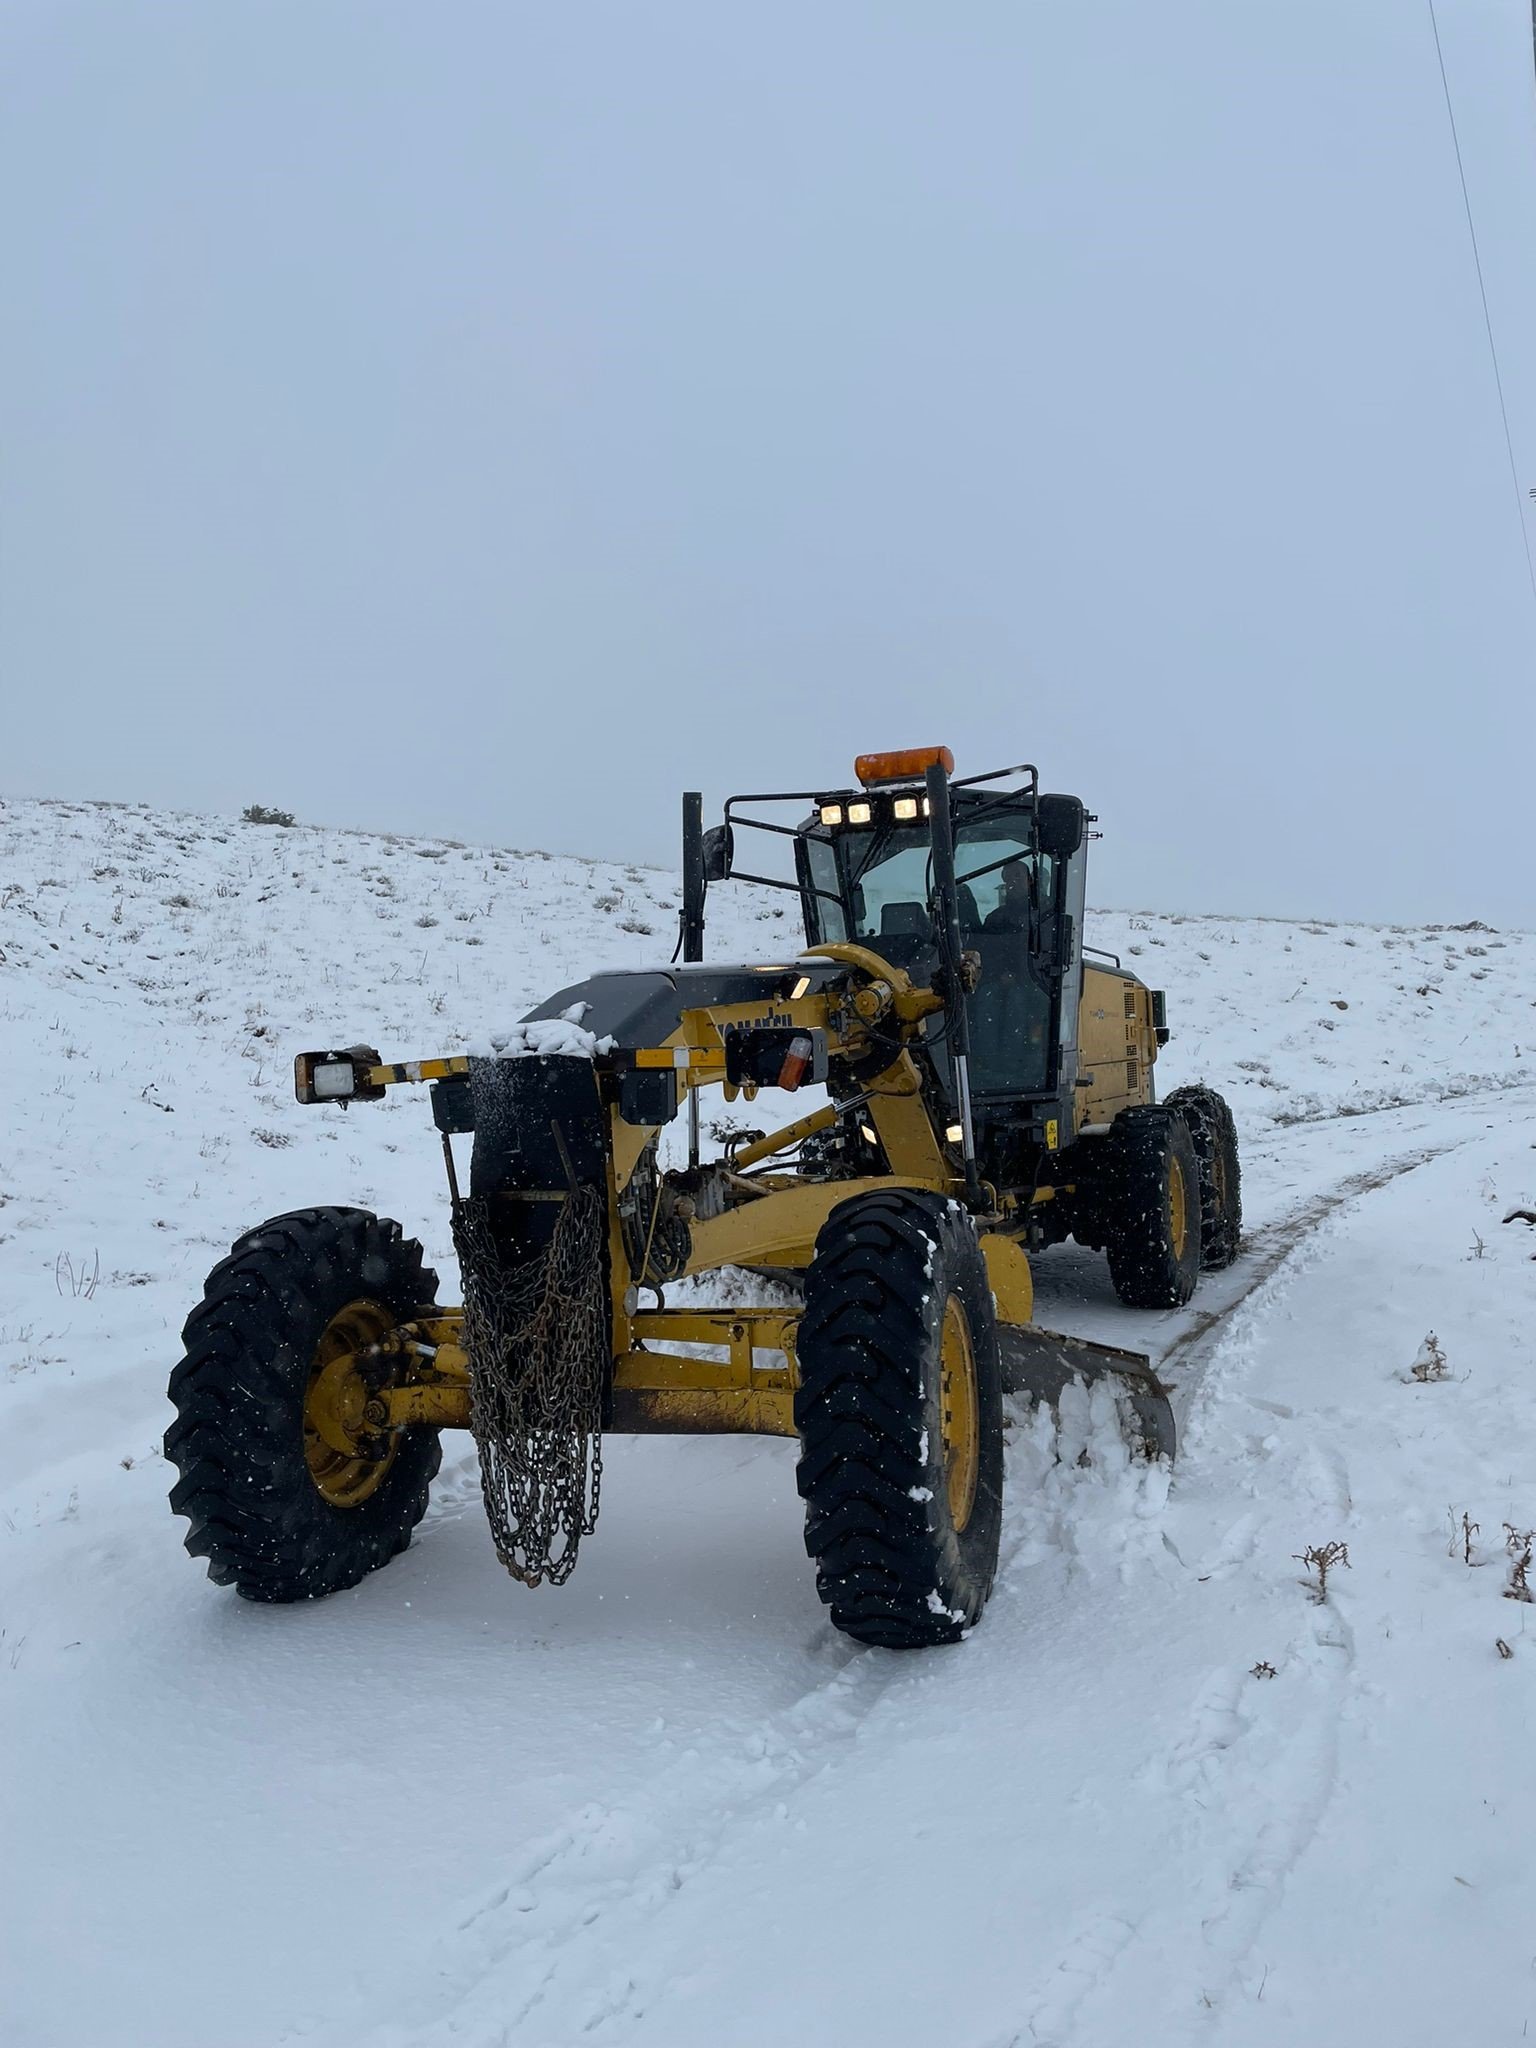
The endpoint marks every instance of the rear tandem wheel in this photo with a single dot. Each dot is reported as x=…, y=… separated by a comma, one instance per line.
x=1221, y=1199
x=1148, y=1198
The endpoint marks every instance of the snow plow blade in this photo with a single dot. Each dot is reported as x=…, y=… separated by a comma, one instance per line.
x=1041, y=1363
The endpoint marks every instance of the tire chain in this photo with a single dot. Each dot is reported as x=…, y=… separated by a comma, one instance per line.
x=536, y=1332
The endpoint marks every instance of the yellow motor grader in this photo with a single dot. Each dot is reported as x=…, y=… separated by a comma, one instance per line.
x=985, y=1091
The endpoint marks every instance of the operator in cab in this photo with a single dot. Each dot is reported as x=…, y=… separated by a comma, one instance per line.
x=1011, y=912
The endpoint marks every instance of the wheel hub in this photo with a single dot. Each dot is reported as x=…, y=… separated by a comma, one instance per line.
x=959, y=1413
x=1178, y=1208
x=346, y=1453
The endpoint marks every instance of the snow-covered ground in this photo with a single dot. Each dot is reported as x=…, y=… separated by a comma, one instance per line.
x=1161, y=1795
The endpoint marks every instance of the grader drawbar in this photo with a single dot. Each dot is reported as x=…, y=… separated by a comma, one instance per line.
x=986, y=1091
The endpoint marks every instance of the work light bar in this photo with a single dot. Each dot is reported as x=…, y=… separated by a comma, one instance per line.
x=904, y=809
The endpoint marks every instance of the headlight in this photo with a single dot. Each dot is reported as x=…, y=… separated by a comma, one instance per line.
x=337, y=1076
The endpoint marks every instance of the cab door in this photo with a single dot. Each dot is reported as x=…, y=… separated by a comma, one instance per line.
x=1007, y=902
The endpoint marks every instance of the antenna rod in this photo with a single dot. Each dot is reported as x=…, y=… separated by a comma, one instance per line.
x=693, y=925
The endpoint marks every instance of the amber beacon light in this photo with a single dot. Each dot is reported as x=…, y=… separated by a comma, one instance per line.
x=908, y=765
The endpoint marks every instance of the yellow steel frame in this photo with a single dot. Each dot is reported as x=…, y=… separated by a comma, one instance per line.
x=780, y=1227
x=665, y=1391
x=659, y=1389
x=654, y=1388
x=715, y=1383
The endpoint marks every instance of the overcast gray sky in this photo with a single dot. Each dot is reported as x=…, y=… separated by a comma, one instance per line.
x=491, y=419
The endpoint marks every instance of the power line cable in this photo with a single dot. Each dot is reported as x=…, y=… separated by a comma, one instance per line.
x=1493, y=347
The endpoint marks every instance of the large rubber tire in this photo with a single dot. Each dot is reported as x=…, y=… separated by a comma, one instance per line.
x=255, y=1508
x=1149, y=1197
x=894, y=1561
x=1221, y=1183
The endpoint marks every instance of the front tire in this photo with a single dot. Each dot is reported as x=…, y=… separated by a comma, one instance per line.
x=899, y=1409
x=279, y=1512
x=1150, y=1207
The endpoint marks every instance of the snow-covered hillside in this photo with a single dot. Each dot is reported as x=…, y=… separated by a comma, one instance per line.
x=1159, y=1795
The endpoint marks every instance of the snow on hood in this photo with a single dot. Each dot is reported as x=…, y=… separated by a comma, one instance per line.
x=542, y=1036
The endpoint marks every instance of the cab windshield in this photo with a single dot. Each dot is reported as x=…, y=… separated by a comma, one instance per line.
x=872, y=888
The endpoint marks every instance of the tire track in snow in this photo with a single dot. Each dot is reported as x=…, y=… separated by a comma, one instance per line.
x=1072, y=1293
x=1307, y=1784
x=1268, y=1248
x=1242, y=1755
x=622, y=1865
x=1194, y=1935
x=517, y=1968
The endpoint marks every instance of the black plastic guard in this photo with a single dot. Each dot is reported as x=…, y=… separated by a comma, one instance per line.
x=538, y=1125
x=1041, y=1363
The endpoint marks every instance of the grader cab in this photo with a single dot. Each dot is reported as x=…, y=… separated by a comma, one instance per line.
x=986, y=1091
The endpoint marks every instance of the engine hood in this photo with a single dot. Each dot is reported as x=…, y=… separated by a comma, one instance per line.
x=645, y=1005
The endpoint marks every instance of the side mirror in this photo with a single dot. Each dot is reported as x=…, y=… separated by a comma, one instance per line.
x=1061, y=823
x=718, y=850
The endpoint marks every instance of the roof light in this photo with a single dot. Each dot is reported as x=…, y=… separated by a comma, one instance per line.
x=905, y=807
x=860, y=814
x=908, y=766
x=831, y=814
